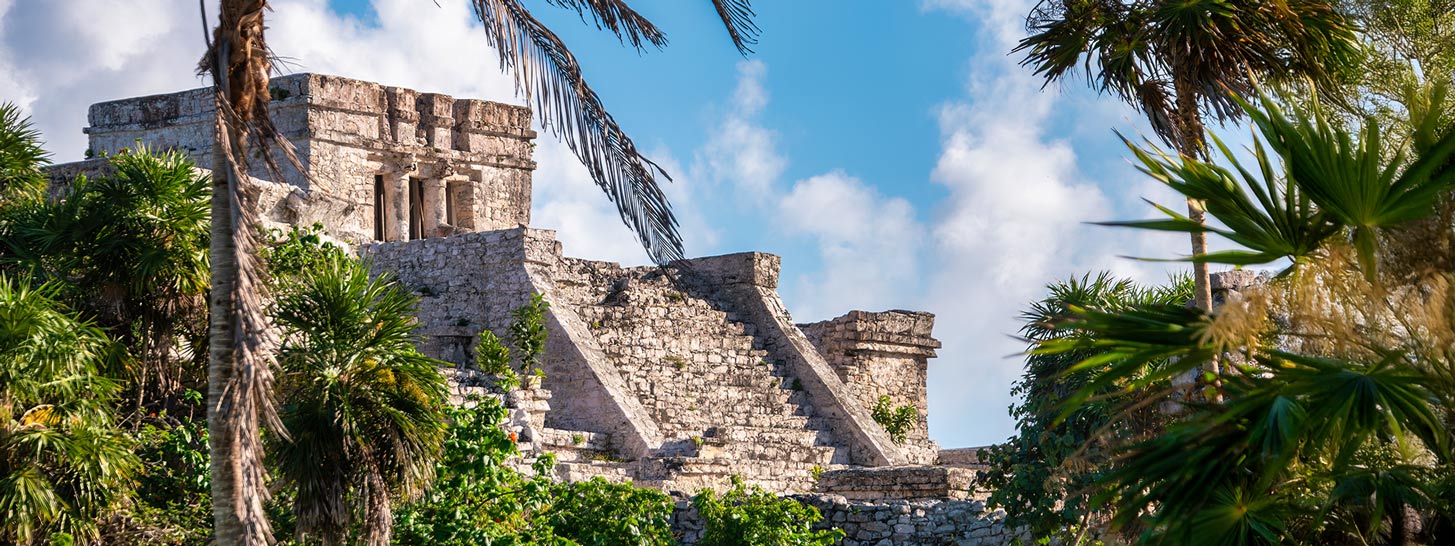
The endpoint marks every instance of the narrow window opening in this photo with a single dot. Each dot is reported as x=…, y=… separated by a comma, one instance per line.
x=416, y=209
x=451, y=216
x=379, y=208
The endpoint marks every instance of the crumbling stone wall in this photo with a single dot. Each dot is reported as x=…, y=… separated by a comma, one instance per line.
x=380, y=163
x=883, y=354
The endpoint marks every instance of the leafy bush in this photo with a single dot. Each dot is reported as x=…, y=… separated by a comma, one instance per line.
x=528, y=332
x=750, y=515
x=478, y=498
x=896, y=421
x=600, y=513
x=173, y=496
x=291, y=253
x=493, y=358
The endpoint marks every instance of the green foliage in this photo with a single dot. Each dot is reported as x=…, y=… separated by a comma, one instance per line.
x=750, y=515
x=173, y=495
x=896, y=421
x=1326, y=181
x=599, y=513
x=361, y=405
x=528, y=332
x=1044, y=476
x=493, y=358
x=21, y=156
x=1332, y=417
x=63, y=462
x=290, y=254
x=128, y=251
x=1175, y=60
x=478, y=499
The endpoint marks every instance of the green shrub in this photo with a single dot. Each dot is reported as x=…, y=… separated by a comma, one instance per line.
x=528, y=332
x=493, y=358
x=289, y=254
x=896, y=421
x=601, y=513
x=750, y=515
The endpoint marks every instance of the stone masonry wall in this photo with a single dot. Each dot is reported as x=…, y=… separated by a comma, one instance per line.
x=883, y=354
x=473, y=281
x=890, y=522
x=449, y=165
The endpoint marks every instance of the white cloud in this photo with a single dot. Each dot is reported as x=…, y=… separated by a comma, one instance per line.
x=741, y=152
x=1014, y=220
x=868, y=244
x=56, y=59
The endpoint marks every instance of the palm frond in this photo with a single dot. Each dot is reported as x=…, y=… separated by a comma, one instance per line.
x=21, y=156
x=737, y=16
x=547, y=72
x=619, y=18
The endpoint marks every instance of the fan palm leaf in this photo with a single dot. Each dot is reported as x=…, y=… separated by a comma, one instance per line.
x=63, y=463
x=360, y=402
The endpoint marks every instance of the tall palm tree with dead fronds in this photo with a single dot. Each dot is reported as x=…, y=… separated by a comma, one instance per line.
x=239, y=377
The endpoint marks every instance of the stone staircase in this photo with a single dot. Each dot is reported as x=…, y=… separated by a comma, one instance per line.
x=722, y=406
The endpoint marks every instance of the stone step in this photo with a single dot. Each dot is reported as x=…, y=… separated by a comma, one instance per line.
x=574, y=439
x=774, y=435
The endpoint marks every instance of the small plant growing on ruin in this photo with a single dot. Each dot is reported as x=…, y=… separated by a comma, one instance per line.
x=677, y=362
x=577, y=439
x=896, y=421
x=698, y=441
x=493, y=359
x=750, y=515
x=462, y=322
x=528, y=331
x=817, y=472
x=676, y=296
x=595, y=325
x=796, y=385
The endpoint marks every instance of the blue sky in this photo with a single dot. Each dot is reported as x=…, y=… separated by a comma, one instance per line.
x=892, y=153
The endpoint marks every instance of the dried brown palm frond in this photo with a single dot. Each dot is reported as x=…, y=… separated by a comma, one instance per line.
x=240, y=374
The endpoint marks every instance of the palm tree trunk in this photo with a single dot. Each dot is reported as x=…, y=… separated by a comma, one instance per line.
x=232, y=423
x=228, y=528
x=1191, y=144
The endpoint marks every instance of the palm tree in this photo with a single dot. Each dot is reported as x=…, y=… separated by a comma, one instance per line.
x=126, y=250
x=1335, y=421
x=1179, y=60
x=238, y=60
x=360, y=403
x=21, y=155
x=63, y=463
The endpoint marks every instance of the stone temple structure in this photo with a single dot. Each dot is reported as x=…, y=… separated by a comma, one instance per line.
x=674, y=377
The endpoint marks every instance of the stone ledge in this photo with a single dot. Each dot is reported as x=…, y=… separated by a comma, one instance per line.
x=899, y=482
